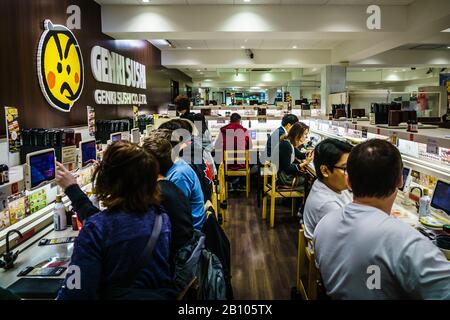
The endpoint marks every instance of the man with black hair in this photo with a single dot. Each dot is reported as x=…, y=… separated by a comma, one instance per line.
x=192, y=152
x=329, y=192
x=286, y=123
x=176, y=170
x=363, y=252
x=183, y=106
x=233, y=136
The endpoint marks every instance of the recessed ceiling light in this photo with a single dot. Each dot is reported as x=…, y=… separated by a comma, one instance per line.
x=189, y=48
x=294, y=47
x=448, y=47
x=145, y=1
x=198, y=70
x=247, y=0
x=283, y=70
x=364, y=69
x=403, y=70
x=242, y=47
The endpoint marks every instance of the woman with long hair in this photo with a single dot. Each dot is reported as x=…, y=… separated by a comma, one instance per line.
x=291, y=161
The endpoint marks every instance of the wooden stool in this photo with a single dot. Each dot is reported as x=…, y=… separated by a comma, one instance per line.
x=239, y=156
x=222, y=205
x=274, y=192
x=308, y=276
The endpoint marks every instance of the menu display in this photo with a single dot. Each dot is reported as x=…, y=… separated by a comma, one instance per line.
x=12, y=129
x=17, y=208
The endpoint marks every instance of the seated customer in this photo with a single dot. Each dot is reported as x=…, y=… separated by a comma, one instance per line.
x=233, y=136
x=112, y=242
x=184, y=110
x=193, y=153
x=286, y=124
x=329, y=192
x=172, y=200
x=363, y=252
x=177, y=171
x=289, y=160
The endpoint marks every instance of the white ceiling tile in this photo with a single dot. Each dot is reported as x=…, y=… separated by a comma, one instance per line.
x=167, y=2
x=220, y=44
x=275, y=44
x=367, y=2
x=194, y=44
x=201, y=2
x=257, y=2
x=304, y=2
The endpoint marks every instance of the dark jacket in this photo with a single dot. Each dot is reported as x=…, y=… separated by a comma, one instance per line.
x=217, y=242
x=108, y=247
x=173, y=201
x=287, y=163
x=269, y=147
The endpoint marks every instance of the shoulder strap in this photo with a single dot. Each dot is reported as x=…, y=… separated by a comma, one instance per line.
x=146, y=254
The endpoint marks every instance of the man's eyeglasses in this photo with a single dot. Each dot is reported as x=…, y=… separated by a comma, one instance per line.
x=342, y=168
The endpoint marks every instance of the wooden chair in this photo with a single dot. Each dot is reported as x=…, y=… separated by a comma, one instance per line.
x=274, y=192
x=308, y=276
x=222, y=205
x=214, y=196
x=239, y=156
x=190, y=292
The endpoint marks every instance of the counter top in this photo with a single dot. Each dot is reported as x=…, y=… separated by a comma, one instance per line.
x=442, y=135
x=31, y=253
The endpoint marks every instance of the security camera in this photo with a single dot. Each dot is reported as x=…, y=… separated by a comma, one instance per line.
x=249, y=53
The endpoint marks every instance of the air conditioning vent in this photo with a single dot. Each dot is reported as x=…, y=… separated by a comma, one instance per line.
x=260, y=70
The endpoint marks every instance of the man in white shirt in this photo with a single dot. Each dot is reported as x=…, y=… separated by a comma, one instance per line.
x=329, y=192
x=363, y=252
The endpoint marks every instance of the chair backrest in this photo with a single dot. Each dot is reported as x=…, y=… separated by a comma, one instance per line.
x=301, y=261
x=270, y=170
x=239, y=156
x=190, y=292
x=221, y=178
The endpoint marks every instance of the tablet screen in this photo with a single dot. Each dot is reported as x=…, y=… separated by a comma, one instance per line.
x=441, y=197
x=88, y=152
x=42, y=168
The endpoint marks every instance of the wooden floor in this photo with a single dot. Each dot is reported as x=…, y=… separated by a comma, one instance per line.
x=263, y=260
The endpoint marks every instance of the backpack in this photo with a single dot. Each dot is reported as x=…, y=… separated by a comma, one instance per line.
x=217, y=242
x=186, y=260
x=211, y=277
x=193, y=260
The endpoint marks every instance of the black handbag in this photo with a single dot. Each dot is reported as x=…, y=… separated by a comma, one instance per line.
x=125, y=291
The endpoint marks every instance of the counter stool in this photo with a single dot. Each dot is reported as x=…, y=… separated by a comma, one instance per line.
x=239, y=156
x=222, y=205
x=308, y=276
x=190, y=292
x=274, y=192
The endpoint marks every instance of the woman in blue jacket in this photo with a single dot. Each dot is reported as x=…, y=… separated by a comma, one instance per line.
x=111, y=242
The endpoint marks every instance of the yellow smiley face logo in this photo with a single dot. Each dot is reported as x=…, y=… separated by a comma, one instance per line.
x=60, y=67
